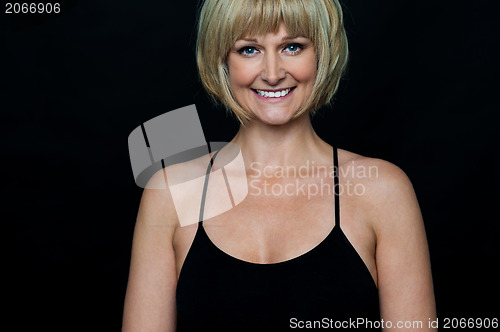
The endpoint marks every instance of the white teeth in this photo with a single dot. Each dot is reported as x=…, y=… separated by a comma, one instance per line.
x=275, y=94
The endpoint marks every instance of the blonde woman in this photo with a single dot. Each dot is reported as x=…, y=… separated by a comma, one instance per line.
x=289, y=258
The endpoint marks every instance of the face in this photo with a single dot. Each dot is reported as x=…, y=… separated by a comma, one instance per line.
x=272, y=75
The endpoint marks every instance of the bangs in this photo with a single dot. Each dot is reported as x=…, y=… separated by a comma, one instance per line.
x=258, y=17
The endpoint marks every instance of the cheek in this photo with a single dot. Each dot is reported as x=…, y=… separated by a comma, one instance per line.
x=306, y=72
x=305, y=68
x=240, y=75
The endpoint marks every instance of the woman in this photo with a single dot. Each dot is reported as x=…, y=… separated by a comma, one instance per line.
x=294, y=257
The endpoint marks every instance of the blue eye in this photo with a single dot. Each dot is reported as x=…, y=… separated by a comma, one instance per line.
x=248, y=50
x=294, y=48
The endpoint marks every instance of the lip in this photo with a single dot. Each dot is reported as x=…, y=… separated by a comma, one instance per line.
x=273, y=99
x=274, y=90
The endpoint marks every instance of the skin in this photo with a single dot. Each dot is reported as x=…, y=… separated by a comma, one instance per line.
x=384, y=224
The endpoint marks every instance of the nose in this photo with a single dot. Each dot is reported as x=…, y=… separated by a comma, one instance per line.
x=272, y=71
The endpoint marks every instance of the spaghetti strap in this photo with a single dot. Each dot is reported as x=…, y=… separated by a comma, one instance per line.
x=205, y=187
x=336, y=186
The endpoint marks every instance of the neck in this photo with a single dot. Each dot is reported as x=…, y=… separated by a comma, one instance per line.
x=278, y=145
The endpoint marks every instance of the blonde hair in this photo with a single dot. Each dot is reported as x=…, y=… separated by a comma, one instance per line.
x=223, y=22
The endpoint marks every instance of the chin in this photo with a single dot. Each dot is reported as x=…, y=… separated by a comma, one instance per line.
x=274, y=119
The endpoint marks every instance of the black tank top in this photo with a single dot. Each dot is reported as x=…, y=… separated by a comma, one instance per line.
x=327, y=287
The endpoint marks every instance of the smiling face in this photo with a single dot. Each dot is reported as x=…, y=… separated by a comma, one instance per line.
x=272, y=75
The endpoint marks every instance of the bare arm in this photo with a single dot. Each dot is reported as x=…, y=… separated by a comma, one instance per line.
x=402, y=256
x=150, y=299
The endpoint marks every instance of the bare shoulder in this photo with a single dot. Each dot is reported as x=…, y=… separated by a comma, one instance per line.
x=381, y=174
x=156, y=207
x=388, y=193
x=170, y=192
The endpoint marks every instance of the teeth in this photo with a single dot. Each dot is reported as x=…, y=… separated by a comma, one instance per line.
x=275, y=94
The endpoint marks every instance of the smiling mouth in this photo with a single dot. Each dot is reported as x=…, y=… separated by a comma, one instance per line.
x=273, y=93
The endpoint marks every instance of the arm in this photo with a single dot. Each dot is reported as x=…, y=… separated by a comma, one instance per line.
x=150, y=299
x=402, y=256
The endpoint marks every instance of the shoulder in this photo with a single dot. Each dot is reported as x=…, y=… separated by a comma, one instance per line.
x=378, y=174
x=387, y=193
x=157, y=207
x=171, y=193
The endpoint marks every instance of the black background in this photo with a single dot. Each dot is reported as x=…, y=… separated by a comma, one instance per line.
x=420, y=92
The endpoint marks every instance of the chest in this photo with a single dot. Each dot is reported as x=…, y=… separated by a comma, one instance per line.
x=267, y=230
x=271, y=230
